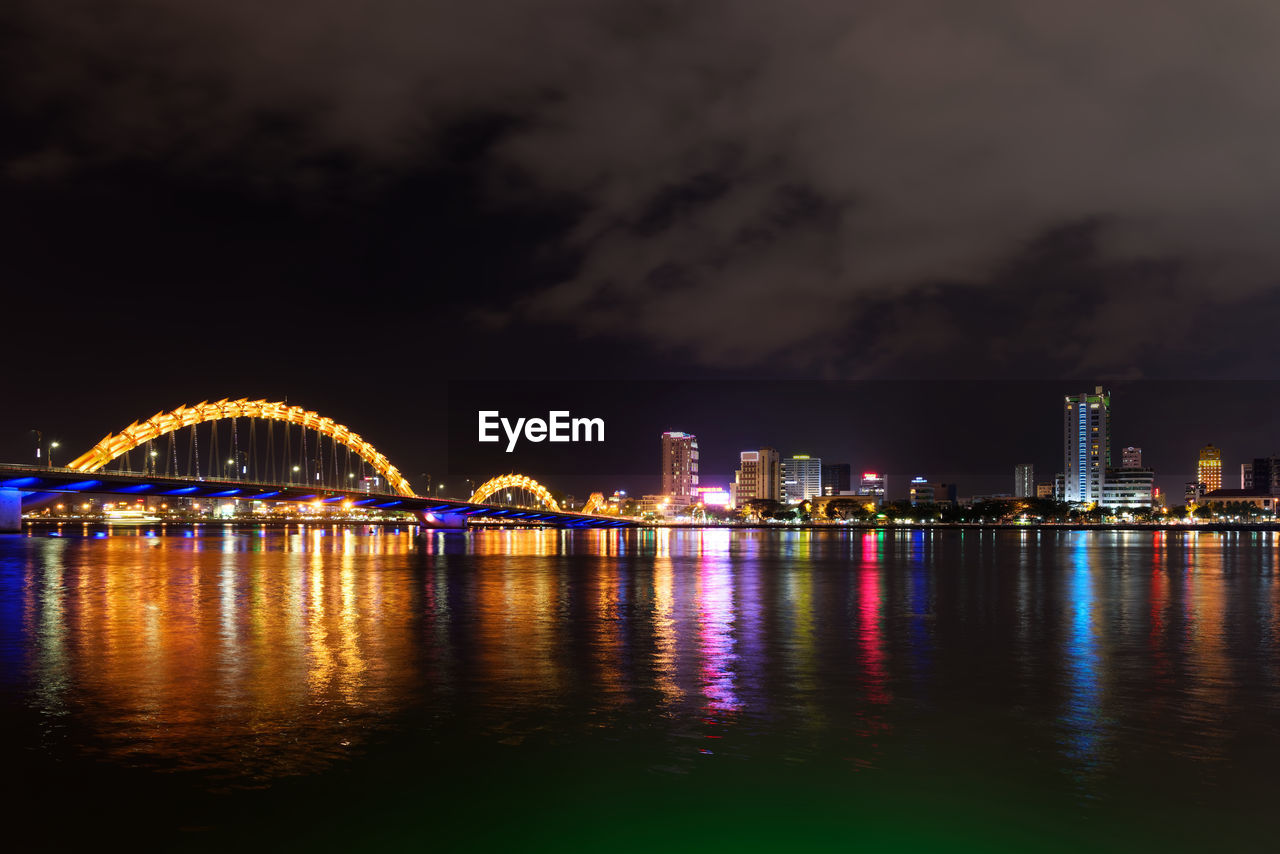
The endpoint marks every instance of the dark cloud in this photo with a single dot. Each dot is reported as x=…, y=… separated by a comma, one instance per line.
x=833, y=187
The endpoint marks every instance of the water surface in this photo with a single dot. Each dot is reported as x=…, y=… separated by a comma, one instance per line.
x=681, y=689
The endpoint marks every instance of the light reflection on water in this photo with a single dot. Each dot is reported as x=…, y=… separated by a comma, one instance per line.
x=251, y=655
x=1085, y=730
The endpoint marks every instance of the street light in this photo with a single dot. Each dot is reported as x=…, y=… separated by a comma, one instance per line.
x=52, y=445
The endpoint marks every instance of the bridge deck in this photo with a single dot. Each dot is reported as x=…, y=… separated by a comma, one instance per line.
x=33, y=480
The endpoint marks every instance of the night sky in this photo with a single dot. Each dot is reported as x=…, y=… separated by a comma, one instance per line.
x=358, y=205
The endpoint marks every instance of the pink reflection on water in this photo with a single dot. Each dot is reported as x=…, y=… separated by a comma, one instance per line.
x=872, y=656
x=870, y=637
x=1161, y=666
x=716, y=614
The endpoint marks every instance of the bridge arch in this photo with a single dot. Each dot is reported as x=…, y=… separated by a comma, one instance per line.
x=493, y=486
x=114, y=445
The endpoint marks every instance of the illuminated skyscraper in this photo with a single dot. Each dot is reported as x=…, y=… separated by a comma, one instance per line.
x=1024, y=481
x=759, y=475
x=801, y=477
x=679, y=463
x=872, y=484
x=1209, y=469
x=1086, y=440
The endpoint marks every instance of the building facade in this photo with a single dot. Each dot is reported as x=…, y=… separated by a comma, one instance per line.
x=759, y=475
x=1024, y=480
x=1226, y=499
x=1129, y=489
x=801, y=478
x=1086, y=440
x=1209, y=468
x=1131, y=458
x=873, y=485
x=1265, y=475
x=679, y=464
x=837, y=479
x=924, y=492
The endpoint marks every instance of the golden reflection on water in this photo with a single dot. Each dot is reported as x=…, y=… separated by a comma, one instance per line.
x=1208, y=697
x=185, y=649
x=610, y=636
x=665, y=657
x=800, y=658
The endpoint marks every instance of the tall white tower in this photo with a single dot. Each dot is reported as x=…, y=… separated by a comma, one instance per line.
x=1086, y=440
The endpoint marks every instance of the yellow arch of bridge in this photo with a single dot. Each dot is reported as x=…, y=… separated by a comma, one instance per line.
x=116, y=444
x=495, y=485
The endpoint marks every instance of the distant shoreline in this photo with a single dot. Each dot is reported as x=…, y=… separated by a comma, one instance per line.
x=1007, y=526
x=218, y=524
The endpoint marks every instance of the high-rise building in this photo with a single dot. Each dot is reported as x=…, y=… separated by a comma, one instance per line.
x=1086, y=440
x=801, y=478
x=1209, y=469
x=1024, y=480
x=1266, y=475
x=759, y=475
x=837, y=479
x=679, y=464
x=1129, y=488
x=1246, y=476
x=872, y=484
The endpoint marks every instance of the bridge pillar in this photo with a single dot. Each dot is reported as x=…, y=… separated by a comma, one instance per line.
x=451, y=521
x=10, y=511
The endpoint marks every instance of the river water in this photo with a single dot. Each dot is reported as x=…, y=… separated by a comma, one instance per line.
x=631, y=690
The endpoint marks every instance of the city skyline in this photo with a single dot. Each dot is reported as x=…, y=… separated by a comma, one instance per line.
x=639, y=424
x=899, y=439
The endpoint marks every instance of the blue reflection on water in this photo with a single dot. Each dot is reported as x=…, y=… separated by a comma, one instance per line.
x=921, y=631
x=1081, y=716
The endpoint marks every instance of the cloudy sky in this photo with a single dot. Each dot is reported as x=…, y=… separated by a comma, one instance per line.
x=805, y=189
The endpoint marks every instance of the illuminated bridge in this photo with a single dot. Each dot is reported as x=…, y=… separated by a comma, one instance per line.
x=269, y=452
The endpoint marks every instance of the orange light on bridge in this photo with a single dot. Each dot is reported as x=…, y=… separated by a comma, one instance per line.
x=117, y=444
x=504, y=482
